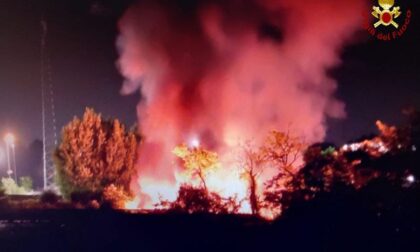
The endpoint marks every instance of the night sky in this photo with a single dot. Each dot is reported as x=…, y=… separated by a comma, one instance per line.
x=376, y=79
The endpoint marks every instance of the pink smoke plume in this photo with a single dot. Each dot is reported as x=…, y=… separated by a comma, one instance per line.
x=228, y=71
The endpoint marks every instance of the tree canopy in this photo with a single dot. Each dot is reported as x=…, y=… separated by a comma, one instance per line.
x=96, y=155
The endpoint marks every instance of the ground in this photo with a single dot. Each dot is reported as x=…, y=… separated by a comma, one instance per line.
x=108, y=230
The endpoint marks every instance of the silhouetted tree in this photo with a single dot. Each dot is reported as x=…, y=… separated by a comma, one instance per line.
x=284, y=152
x=252, y=163
x=376, y=169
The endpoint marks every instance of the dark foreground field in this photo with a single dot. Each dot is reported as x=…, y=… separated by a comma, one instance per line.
x=106, y=230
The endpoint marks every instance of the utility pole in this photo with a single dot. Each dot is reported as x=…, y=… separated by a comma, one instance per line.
x=9, y=171
x=9, y=139
x=14, y=161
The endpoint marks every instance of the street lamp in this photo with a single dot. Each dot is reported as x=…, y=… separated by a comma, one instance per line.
x=9, y=138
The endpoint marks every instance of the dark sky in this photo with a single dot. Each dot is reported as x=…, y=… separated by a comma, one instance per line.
x=376, y=79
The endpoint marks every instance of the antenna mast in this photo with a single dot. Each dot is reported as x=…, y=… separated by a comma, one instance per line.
x=49, y=129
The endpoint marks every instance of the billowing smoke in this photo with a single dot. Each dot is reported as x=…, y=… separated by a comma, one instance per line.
x=224, y=71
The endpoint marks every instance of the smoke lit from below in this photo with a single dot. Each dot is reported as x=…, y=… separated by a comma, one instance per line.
x=216, y=75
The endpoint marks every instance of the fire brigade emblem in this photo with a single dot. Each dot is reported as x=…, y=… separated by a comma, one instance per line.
x=386, y=12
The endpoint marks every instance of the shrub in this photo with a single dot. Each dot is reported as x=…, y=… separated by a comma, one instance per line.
x=198, y=200
x=10, y=187
x=49, y=197
x=85, y=198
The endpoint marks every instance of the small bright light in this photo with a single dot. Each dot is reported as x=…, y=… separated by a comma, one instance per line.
x=411, y=179
x=9, y=139
x=195, y=143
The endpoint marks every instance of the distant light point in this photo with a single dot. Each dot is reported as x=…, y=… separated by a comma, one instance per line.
x=195, y=142
x=411, y=179
x=9, y=138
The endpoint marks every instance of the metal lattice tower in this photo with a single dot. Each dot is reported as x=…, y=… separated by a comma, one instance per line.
x=49, y=128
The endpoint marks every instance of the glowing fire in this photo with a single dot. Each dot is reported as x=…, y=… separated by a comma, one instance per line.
x=220, y=175
x=212, y=79
x=132, y=204
x=225, y=180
